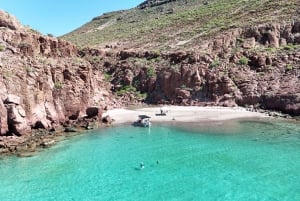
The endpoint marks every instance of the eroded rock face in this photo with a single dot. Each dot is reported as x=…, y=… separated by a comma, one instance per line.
x=44, y=82
x=9, y=21
x=3, y=119
x=256, y=66
x=16, y=117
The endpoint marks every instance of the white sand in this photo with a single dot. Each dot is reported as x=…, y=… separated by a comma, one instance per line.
x=182, y=114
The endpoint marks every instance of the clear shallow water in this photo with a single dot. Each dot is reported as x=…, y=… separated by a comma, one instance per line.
x=233, y=161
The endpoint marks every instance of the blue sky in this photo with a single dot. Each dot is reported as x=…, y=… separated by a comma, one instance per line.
x=59, y=17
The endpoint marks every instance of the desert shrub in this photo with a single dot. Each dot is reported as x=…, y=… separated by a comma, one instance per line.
x=150, y=71
x=29, y=69
x=58, y=85
x=126, y=89
x=141, y=95
x=107, y=77
x=243, y=61
x=289, y=67
x=214, y=64
x=2, y=47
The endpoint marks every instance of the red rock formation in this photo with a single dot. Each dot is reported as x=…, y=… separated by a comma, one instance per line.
x=256, y=66
x=9, y=21
x=44, y=82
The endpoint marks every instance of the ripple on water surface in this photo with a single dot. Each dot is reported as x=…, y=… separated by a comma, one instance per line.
x=246, y=160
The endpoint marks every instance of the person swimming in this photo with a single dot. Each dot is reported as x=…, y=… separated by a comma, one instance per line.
x=142, y=166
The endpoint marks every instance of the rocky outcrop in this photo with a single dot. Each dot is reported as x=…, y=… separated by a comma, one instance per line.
x=45, y=84
x=9, y=21
x=152, y=3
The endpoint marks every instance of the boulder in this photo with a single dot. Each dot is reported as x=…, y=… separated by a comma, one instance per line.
x=70, y=129
x=273, y=39
x=17, y=121
x=39, y=117
x=182, y=93
x=92, y=112
x=72, y=111
x=107, y=119
x=12, y=99
x=297, y=38
x=296, y=27
x=229, y=103
x=249, y=43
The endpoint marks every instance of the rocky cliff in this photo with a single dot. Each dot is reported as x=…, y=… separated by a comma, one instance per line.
x=257, y=66
x=44, y=84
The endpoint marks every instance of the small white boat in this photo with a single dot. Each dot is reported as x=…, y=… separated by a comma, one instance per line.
x=143, y=121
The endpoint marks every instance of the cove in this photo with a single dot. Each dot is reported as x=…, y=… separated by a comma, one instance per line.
x=234, y=160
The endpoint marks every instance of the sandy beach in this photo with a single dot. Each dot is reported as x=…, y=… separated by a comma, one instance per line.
x=182, y=114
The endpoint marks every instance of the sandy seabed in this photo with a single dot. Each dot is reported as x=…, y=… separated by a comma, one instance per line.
x=182, y=114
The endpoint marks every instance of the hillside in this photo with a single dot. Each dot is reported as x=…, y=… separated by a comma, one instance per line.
x=224, y=53
x=179, y=24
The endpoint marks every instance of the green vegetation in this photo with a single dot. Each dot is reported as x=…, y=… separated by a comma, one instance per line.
x=58, y=85
x=290, y=47
x=126, y=89
x=243, y=61
x=151, y=72
x=107, y=77
x=131, y=89
x=7, y=74
x=29, y=69
x=2, y=47
x=289, y=67
x=142, y=96
x=214, y=64
x=191, y=20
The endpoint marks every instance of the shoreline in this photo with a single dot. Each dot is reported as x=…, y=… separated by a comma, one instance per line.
x=183, y=114
x=189, y=117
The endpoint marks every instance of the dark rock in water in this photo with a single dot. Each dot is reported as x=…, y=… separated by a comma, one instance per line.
x=32, y=146
x=25, y=154
x=22, y=148
x=48, y=143
x=70, y=130
x=107, y=120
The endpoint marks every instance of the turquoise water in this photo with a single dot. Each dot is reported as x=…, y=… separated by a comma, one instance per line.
x=234, y=161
